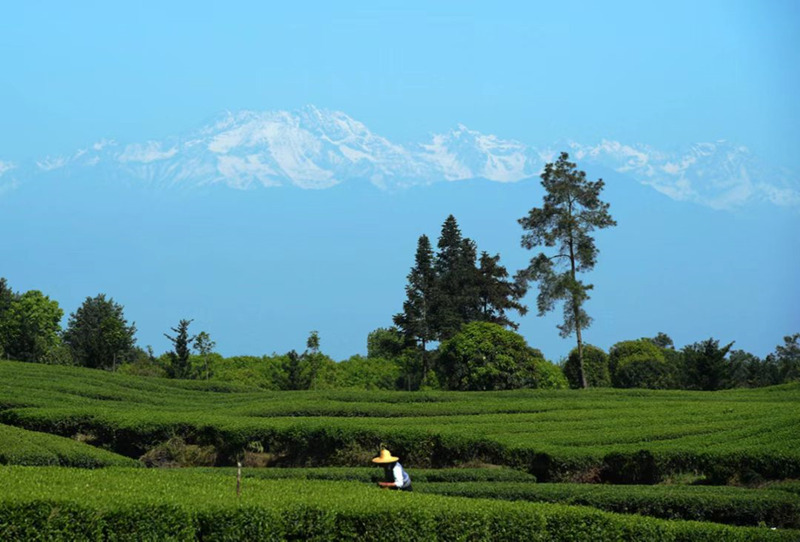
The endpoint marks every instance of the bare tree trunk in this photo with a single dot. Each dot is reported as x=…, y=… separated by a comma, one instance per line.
x=424, y=359
x=576, y=310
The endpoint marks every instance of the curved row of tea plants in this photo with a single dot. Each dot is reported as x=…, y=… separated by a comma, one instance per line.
x=730, y=505
x=22, y=447
x=136, y=504
x=619, y=435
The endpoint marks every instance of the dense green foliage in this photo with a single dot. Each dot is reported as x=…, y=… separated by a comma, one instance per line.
x=484, y=356
x=706, y=366
x=21, y=447
x=639, y=364
x=595, y=368
x=136, y=504
x=448, y=290
x=619, y=435
x=98, y=334
x=777, y=507
x=29, y=326
x=181, y=343
x=372, y=474
x=730, y=505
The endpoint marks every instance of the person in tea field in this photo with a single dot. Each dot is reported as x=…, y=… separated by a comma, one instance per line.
x=395, y=476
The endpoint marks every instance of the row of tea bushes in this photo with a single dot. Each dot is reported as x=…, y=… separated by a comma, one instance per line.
x=22, y=447
x=622, y=436
x=374, y=474
x=136, y=504
x=321, y=441
x=730, y=505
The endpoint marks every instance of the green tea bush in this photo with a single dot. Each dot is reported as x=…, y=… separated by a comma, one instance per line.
x=183, y=504
x=626, y=436
x=730, y=505
x=374, y=474
x=22, y=447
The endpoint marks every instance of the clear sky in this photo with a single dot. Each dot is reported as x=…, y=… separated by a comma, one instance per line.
x=666, y=74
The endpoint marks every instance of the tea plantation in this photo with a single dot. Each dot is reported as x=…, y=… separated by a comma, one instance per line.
x=638, y=448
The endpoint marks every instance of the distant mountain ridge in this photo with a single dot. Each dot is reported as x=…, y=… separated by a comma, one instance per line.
x=316, y=148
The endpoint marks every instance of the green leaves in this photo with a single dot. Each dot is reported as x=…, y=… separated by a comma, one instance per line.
x=29, y=326
x=98, y=333
x=572, y=210
x=555, y=434
x=187, y=504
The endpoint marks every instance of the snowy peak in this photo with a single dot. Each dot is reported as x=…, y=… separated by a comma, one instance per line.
x=464, y=154
x=720, y=175
x=317, y=148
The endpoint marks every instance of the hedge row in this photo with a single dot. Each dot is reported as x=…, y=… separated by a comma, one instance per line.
x=138, y=504
x=21, y=447
x=730, y=505
x=345, y=441
x=777, y=507
x=374, y=474
x=620, y=436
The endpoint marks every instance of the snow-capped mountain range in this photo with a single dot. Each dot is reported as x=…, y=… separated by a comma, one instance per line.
x=316, y=148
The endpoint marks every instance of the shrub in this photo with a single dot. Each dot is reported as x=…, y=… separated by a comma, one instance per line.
x=595, y=363
x=549, y=376
x=370, y=373
x=638, y=364
x=730, y=505
x=485, y=356
x=182, y=504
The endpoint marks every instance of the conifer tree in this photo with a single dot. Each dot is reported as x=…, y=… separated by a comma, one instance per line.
x=179, y=357
x=416, y=320
x=457, y=299
x=496, y=293
x=572, y=210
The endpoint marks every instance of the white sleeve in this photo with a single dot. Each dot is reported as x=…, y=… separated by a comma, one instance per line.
x=397, y=471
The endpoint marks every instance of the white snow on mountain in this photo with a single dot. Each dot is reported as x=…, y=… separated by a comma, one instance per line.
x=719, y=175
x=316, y=148
x=467, y=154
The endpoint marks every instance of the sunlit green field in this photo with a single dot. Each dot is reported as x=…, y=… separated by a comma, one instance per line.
x=184, y=504
x=551, y=433
x=743, y=445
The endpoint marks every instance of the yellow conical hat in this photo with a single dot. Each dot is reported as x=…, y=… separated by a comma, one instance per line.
x=385, y=457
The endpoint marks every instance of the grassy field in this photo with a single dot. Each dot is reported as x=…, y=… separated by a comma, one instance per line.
x=73, y=417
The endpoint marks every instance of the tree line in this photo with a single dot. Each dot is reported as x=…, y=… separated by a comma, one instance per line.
x=457, y=302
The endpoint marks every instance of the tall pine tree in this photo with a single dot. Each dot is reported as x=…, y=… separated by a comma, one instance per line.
x=572, y=210
x=457, y=299
x=416, y=320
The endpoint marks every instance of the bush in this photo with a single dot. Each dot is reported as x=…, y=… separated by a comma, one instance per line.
x=549, y=376
x=595, y=363
x=730, y=505
x=371, y=373
x=21, y=447
x=638, y=364
x=484, y=356
x=182, y=504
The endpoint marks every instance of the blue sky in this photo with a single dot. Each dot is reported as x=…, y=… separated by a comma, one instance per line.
x=666, y=75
